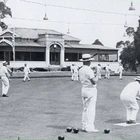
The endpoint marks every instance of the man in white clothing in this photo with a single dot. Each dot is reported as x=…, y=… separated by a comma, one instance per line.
x=89, y=94
x=26, y=73
x=72, y=72
x=120, y=70
x=75, y=68
x=107, y=71
x=129, y=97
x=5, y=79
x=99, y=71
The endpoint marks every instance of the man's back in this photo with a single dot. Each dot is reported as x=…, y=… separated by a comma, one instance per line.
x=132, y=89
x=85, y=74
x=3, y=71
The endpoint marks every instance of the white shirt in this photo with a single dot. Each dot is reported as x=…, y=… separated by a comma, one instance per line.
x=107, y=68
x=3, y=71
x=131, y=90
x=75, y=68
x=72, y=69
x=85, y=74
x=26, y=70
x=120, y=69
x=98, y=69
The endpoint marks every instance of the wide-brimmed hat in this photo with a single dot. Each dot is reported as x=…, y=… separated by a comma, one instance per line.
x=87, y=57
x=137, y=78
x=4, y=63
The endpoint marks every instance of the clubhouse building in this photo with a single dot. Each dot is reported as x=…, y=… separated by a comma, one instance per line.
x=46, y=48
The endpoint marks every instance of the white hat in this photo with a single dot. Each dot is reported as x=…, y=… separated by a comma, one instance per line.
x=4, y=63
x=137, y=78
x=86, y=57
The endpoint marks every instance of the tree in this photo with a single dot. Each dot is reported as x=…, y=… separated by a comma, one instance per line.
x=137, y=43
x=118, y=45
x=130, y=31
x=4, y=10
x=128, y=58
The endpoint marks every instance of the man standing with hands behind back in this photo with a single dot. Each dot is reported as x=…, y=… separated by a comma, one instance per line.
x=89, y=94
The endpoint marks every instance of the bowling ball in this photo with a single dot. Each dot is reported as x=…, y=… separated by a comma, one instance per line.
x=75, y=130
x=69, y=129
x=106, y=131
x=61, y=137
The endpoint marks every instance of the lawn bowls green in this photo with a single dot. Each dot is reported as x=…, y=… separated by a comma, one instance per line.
x=75, y=130
x=106, y=131
x=61, y=137
x=69, y=129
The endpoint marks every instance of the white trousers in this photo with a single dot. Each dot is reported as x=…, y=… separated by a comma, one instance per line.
x=107, y=75
x=72, y=76
x=5, y=85
x=120, y=75
x=75, y=76
x=131, y=106
x=26, y=76
x=99, y=75
x=89, y=97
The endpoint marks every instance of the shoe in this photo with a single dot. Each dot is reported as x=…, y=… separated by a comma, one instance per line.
x=4, y=95
x=131, y=122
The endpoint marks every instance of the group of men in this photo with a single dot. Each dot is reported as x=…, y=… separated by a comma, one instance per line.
x=98, y=71
x=129, y=96
x=5, y=74
x=88, y=79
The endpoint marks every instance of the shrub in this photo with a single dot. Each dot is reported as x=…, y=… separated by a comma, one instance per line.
x=66, y=68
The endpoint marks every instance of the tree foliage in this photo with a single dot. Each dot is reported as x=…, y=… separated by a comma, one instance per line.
x=128, y=58
x=118, y=45
x=130, y=31
x=137, y=43
x=4, y=10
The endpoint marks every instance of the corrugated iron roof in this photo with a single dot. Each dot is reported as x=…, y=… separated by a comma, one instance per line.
x=70, y=38
x=29, y=44
x=33, y=33
x=88, y=46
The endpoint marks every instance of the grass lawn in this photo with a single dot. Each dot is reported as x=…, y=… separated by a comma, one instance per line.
x=44, y=107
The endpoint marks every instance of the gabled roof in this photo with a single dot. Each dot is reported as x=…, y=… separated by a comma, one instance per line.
x=9, y=31
x=6, y=41
x=33, y=33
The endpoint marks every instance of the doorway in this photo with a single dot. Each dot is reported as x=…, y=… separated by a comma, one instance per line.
x=55, y=54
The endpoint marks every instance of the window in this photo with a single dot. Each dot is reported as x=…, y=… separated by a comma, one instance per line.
x=108, y=57
x=30, y=56
x=37, y=56
x=1, y=55
x=113, y=58
x=22, y=56
x=72, y=56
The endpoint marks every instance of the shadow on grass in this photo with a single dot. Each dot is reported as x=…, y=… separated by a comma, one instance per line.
x=57, y=126
x=112, y=121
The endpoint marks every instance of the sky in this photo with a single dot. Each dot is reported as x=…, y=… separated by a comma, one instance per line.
x=87, y=25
